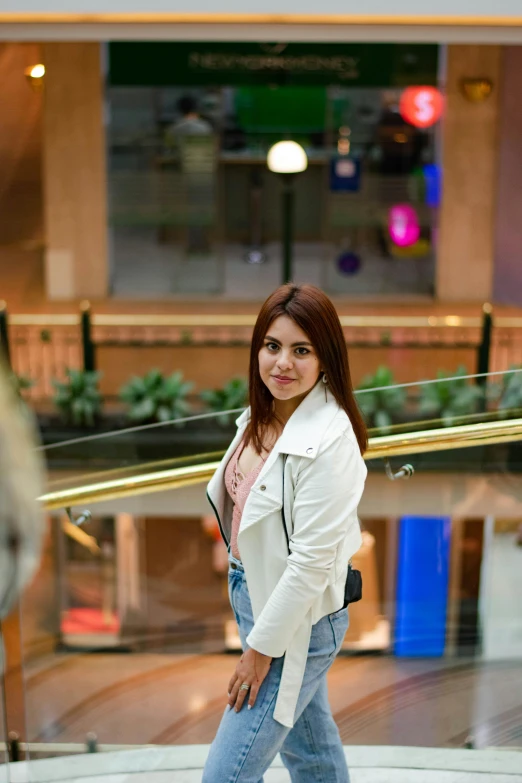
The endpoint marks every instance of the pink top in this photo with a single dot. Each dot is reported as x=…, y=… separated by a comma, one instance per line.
x=238, y=487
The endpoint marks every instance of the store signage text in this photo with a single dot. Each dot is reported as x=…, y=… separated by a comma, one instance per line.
x=343, y=67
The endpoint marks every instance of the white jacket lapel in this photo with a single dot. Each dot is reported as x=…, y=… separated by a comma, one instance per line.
x=301, y=437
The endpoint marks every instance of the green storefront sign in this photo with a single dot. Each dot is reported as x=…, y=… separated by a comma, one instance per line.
x=162, y=64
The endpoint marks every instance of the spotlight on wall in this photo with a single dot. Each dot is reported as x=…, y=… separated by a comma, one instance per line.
x=476, y=90
x=35, y=76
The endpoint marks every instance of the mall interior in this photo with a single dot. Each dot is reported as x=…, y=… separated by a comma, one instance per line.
x=142, y=225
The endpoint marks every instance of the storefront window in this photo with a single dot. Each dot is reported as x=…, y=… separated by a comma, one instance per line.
x=193, y=208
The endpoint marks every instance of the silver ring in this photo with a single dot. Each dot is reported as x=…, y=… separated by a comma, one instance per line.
x=244, y=687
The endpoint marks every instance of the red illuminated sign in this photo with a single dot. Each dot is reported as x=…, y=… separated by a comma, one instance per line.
x=421, y=106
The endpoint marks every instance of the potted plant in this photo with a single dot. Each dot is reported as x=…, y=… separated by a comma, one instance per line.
x=380, y=401
x=154, y=397
x=509, y=392
x=508, y=396
x=78, y=398
x=21, y=383
x=232, y=396
x=451, y=397
x=78, y=403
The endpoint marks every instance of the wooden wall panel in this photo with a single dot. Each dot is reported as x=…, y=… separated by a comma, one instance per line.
x=508, y=239
x=74, y=172
x=20, y=148
x=213, y=366
x=470, y=152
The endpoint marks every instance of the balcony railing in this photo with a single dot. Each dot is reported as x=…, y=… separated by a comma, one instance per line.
x=42, y=346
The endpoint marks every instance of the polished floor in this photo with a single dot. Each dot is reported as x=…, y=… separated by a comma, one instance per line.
x=367, y=765
x=157, y=698
x=226, y=274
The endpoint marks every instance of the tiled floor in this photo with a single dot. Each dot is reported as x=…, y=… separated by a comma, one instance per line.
x=225, y=273
x=174, y=699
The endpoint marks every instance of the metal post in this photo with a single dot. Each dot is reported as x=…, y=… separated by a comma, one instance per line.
x=89, y=358
x=4, y=333
x=484, y=348
x=288, y=220
x=13, y=746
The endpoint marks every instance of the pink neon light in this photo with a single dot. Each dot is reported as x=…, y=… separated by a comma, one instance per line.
x=403, y=225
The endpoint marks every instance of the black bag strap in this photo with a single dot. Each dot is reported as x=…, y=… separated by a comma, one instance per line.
x=283, y=505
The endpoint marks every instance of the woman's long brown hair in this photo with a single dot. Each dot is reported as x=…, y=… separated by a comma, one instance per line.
x=315, y=314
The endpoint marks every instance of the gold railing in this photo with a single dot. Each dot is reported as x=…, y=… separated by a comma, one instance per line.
x=444, y=439
x=40, y=319
x=249, y=319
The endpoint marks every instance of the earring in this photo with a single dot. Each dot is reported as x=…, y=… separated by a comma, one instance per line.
x=325, y=379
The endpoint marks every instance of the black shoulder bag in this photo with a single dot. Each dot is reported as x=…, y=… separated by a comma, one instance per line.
x=353, y=586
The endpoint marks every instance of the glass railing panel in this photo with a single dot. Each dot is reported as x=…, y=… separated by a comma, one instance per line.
x=389, y=408
x=130, y=641
x=156, y=446
x=452, y=399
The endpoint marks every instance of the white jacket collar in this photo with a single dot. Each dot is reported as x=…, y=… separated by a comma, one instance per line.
x=306, y=426
x=242, y=420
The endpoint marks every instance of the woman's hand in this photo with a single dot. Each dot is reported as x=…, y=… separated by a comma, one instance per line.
x=252, y=670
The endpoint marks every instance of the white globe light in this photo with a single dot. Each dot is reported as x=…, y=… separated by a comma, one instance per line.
x=287, y=157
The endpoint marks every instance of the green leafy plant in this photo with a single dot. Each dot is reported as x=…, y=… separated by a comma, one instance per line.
x=451, y=397
x=78, y=398
x=234, y=394
x=154, y=397
x=380, y=406
x=21, y=383
x=508, y=393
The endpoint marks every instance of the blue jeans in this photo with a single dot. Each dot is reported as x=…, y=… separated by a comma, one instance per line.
x=249, y=740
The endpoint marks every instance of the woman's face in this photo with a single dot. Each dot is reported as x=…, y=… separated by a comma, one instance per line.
x=288, y=363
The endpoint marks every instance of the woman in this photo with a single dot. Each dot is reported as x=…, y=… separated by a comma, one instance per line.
x=286, y=496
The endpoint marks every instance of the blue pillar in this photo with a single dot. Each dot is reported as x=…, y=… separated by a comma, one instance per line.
x=422, y=586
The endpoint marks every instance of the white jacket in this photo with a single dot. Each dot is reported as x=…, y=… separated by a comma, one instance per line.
x=323, y=483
